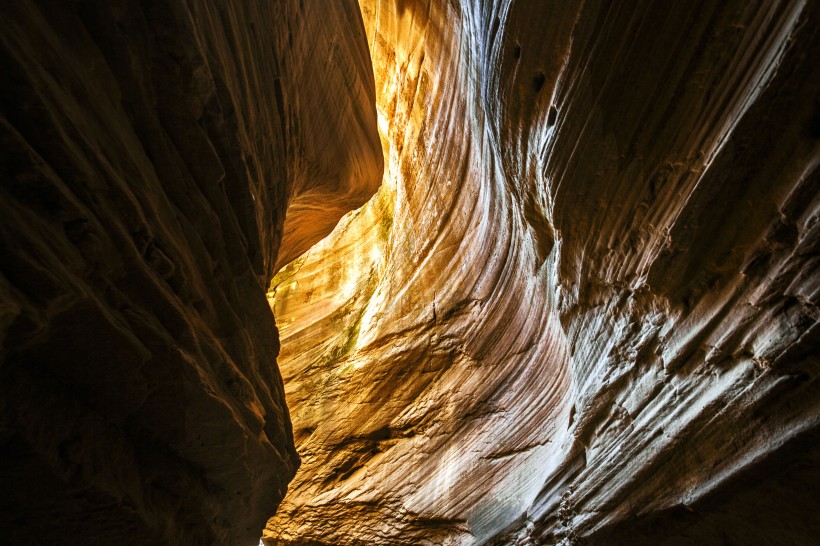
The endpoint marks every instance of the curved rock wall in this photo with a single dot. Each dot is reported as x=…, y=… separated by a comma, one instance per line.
x=583, y=306
x=154, y=153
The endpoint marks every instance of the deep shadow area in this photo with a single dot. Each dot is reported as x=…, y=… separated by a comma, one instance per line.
x=775, y=502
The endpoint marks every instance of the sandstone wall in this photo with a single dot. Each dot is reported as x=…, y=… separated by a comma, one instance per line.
x=583, y=306
x=159, y=158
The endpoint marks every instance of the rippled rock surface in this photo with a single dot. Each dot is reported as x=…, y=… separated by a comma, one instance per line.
x=583, y=306
x=159, y=159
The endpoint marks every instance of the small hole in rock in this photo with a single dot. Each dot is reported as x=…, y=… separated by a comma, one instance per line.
x=538, y=82
x=305, y=433
x=494, y=30
x=517, y=51
x=552, y=117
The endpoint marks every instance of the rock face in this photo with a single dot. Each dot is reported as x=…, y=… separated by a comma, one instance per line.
x=159, y=160
x=583, y=307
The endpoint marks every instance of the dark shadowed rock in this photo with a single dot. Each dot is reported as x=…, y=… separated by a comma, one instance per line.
x=150, y=154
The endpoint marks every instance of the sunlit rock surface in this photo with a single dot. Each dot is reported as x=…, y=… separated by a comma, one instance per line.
x=583, y=306
x=159, y=159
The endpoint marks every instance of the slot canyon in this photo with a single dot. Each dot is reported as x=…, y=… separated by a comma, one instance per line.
x=409, y=272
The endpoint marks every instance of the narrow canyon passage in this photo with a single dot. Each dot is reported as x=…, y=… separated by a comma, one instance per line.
x=425, y=367
x=409, y=272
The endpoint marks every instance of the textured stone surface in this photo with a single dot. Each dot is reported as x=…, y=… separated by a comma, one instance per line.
x=151, y=151
x=583, y=306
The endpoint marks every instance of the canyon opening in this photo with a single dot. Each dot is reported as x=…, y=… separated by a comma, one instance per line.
x=409, y=272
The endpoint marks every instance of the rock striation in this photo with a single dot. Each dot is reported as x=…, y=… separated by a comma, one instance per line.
x=159, y=160
x=583, y=307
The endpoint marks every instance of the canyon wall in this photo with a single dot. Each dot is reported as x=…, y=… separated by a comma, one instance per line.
x=159, y=160
x=582, y=308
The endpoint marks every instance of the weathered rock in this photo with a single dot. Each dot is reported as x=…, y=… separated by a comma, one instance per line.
x=583, y=307
x=153, y=155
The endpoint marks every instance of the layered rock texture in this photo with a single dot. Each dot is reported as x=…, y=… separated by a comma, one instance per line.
x=583, y=306
x=159, y=160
